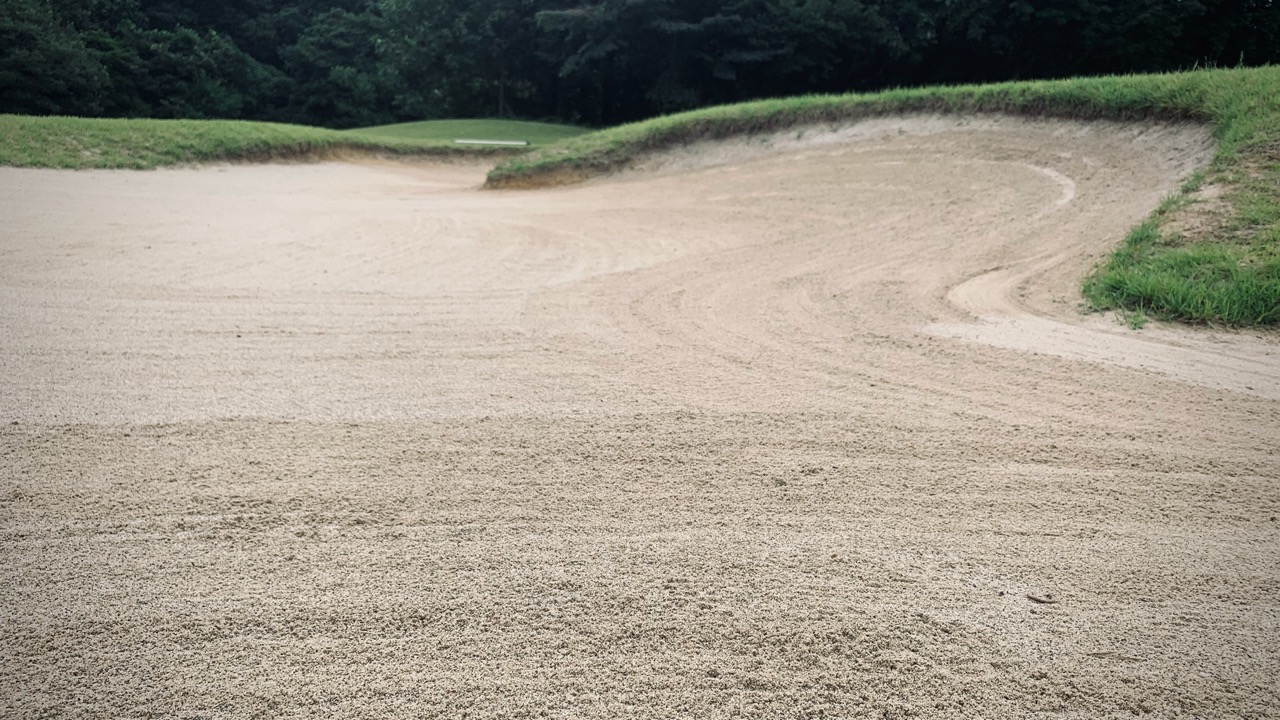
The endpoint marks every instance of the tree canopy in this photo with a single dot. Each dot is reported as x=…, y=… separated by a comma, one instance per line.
x=343, y=63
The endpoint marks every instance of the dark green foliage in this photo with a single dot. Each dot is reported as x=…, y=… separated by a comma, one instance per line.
x=336, y=71
x=998, y=40
x=629, y=58
x=46, y=66
x=355, y=62
x=457, y=58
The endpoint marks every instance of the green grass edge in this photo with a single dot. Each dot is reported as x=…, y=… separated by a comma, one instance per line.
x=1228, y=277
x=144, y=144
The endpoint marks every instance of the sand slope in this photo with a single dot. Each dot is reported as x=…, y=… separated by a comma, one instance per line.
x=784, y=427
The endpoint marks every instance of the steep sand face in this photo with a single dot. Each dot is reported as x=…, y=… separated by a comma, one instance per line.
x=790, y=425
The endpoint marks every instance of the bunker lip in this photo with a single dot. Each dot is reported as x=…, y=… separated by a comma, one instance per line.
x=743, y=429
x=556, y=178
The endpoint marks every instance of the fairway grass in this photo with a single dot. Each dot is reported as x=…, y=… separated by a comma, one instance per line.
x=82, y=143
x=1209, y=258
x=448, y=131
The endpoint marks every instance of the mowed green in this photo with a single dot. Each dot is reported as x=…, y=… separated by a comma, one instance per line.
x=449, y=131
x=81, y=143
x=1210, y=258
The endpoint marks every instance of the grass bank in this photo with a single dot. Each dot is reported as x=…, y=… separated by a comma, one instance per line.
x=79, y=143
x=1211, y=254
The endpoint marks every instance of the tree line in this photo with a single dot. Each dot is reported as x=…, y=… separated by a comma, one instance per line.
x=347, y=63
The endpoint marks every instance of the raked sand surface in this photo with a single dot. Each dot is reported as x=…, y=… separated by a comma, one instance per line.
x=801, y=426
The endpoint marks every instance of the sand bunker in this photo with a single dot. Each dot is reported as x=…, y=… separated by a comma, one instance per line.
x=787, y=426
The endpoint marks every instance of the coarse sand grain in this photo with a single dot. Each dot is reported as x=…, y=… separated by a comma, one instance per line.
x=806, y=425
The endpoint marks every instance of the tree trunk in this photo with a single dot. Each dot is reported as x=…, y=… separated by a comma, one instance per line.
x=503, y=110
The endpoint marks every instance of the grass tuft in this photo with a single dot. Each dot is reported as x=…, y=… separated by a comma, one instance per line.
x=1205, y=282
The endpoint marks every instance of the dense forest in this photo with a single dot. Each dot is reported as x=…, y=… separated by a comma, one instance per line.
x=344, y=63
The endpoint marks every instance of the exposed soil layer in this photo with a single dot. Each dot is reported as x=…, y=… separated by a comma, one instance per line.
x=774, y=428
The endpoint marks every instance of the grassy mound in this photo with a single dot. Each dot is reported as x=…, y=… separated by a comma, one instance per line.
x=64, y=142
x=1202, y=257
